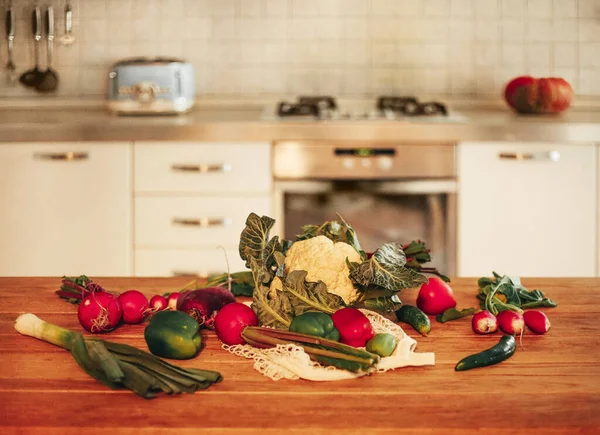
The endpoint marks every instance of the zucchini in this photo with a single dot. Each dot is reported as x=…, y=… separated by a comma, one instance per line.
x=415, y=318
x=503, y=350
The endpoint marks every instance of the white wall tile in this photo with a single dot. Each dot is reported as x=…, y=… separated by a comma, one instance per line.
x=462, y=81
x=512, y=30
x=589, y=8
x=276, y=8
x=589, y=55
x=437, y=8
x=305, y=8
x=539, y=30
x=462, y=30
x=410, y=8
x=540, y=8
x=355, y=8
x=462, y=8
x=488, y=9
x=249, y=8
x=384, y=8
x=93, y=9
x=222, y=8
x=513, y=55
x=383, y=54
x=539, y=55
x=487, y=30
x=589, y=30
x=486, y=55
x=224, y=28
x=355, y=28
x=565, y=8
x=565, y=54
x=513, y=8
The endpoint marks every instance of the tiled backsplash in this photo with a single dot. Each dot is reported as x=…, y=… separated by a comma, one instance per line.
x=246, y=48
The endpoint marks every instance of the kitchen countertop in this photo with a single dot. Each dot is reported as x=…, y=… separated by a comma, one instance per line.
x=219, y=123
x=550, y=386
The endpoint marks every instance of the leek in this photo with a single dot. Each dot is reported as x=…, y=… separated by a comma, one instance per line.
x=117, y=365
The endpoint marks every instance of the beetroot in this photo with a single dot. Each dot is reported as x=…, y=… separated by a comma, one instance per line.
x=484, y=322
x=231, y=320
x=536, y=321
x=99, y=312
x=135, y=306
x=203, y=304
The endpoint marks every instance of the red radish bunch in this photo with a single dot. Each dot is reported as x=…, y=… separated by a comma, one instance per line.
x=511, y=322
x=536, y=321
x=484, y=322
x=231, y=320
x=172, y=301
x=435, y=297
x=135, y=306
x=100, y=312
x=158, y=303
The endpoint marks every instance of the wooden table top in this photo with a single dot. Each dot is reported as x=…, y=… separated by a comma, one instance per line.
x=552, y=386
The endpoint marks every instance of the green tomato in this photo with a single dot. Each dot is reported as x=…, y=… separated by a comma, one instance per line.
x=382, y=344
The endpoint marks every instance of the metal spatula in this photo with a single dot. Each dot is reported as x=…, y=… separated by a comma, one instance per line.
x=11, y=74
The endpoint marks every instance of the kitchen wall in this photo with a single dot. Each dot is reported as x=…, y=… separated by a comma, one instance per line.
x=249, y=48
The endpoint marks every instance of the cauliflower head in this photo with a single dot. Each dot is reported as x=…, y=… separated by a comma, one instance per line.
x=325, y=260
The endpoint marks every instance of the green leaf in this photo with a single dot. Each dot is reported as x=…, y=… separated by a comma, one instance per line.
x=273, y=310
x=453, y=314
x=310, y=296
x=335, y=231
x=383, y=304
x=386, y=269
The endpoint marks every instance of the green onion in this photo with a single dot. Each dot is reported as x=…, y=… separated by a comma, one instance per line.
x=117, y=365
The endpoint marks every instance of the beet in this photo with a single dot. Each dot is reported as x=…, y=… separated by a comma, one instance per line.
x=203, y=304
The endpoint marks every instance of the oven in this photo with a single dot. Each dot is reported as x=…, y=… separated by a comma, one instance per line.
x=386, y=191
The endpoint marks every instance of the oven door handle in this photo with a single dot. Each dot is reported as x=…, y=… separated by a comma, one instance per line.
x=404, y=187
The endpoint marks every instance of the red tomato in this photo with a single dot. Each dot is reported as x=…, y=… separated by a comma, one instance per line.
x=435, y=297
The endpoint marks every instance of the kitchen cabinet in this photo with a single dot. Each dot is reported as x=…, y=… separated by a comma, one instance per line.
x=192, y=198
x=527, y=209
x=66, y=209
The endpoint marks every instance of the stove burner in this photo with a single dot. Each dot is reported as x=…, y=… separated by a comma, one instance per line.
x=410, y=106
x=307, y=106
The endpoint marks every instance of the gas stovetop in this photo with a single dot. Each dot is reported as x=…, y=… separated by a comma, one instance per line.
x=392, y=108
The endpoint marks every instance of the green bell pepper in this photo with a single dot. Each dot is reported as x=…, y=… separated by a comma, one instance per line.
x=315, y=323
x=173, y=334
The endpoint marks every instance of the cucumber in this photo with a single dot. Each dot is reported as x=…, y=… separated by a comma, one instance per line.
x=503, y=350
x=415, y=318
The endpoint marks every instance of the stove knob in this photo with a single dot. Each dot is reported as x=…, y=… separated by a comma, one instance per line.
x=366, y=163
x=384, y=163
x=348, y=163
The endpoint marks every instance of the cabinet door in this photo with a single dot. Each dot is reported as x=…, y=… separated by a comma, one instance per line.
x=66, y=209
x=526, y=209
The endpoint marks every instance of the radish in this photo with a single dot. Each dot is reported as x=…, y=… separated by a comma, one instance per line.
x=536, y=321
x=158, y=303
x=435, y=297
x=203, y=304
x=231, y=320
x=135, y=306
x=511, y=322
x=172, y=301
x=100, y=312
x=484, y=322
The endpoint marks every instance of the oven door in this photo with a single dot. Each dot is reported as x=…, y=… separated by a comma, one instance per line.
x=380, y=211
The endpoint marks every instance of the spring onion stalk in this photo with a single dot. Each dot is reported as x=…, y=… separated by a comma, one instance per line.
x=117, y=365
x=324, y=351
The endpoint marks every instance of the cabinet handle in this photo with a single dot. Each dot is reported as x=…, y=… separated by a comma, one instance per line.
x=203, y=169
x=553, y=156
x=203, y=222
x=67, y=157
x=189, y=273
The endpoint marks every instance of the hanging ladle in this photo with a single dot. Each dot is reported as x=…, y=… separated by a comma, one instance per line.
x=49, y=80
x=33, y=76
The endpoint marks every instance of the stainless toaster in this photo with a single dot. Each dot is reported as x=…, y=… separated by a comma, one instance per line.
x=144, y=86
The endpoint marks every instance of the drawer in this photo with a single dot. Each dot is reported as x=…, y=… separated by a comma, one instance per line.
x=196, y=262
x=202, y=167
x=194, y=221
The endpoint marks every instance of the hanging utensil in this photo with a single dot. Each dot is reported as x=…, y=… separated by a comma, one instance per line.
x=11, y=70
x=68, y=38
x=33, y=76
x=49, y=81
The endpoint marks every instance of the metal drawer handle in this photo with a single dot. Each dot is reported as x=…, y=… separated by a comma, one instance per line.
x=203, y=169
x=189, y=273
x=203, y=222
x=67, y=157
x=553, y=156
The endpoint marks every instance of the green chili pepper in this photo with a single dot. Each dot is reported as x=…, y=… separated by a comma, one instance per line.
x=503, y=350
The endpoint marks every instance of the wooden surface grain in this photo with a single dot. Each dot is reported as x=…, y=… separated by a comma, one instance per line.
x=550, y=386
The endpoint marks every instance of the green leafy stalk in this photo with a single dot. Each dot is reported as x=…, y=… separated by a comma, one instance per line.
x=335, y=231
x=242, y=283
x=383, y=304
x=454, y=314
x=119, y=366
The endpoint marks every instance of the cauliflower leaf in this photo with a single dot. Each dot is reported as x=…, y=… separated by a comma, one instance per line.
x=310, y=296
x=386, y=269
x=334, y=231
